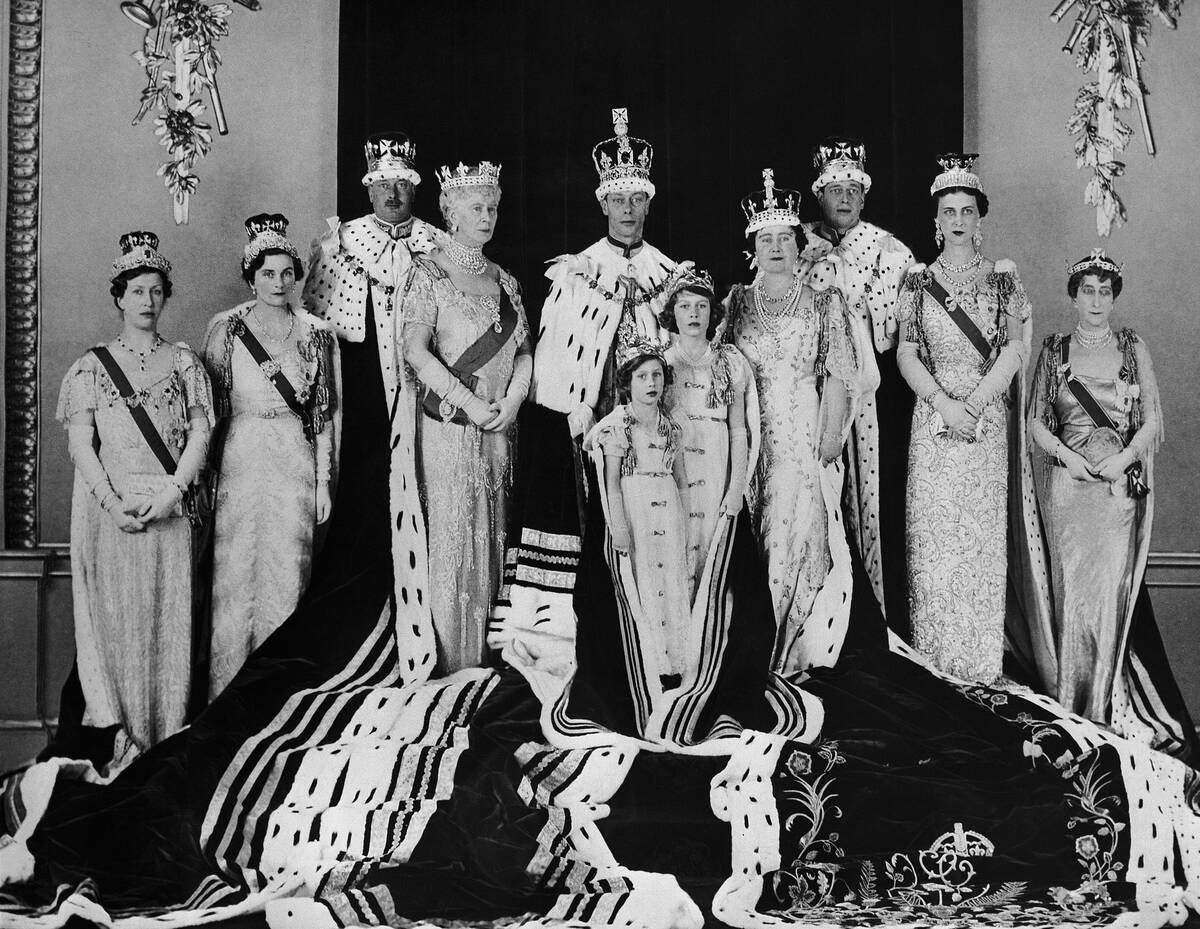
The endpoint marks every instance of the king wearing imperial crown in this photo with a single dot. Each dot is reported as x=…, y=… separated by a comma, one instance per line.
x=600, y=299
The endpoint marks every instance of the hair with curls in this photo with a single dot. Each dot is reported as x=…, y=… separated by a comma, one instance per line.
x=449, y=199
x=625, y=375
x=798, y=231
x=981, y=200
x=1076, y=279
x=121, y=282
x=260, y=259
x=716, y=310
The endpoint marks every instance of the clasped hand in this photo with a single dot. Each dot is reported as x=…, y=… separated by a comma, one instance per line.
x=959, y=419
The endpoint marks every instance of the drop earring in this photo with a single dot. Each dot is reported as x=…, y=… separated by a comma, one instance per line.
x=938, y=238
x=977, y=236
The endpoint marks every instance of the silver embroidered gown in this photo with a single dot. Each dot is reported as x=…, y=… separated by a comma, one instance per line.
x=133, y=591
x=464, y=473
x=788, y=505
x=266, y=502
x=957, y=502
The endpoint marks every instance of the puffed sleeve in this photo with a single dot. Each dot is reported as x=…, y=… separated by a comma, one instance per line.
x=197, y=389
x=79, y=392
x=911, y=293
x=420, y=303
x=609, y=435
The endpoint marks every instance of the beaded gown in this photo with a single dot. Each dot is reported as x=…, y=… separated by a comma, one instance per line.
x=658, y=529
x=957, y=489
x=266, y=501
x=464, y=473
x=699, y=401
x=133, y=591
x=789, y=354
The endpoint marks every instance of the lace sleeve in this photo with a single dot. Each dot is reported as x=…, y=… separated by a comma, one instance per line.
x=217, y=358
x=841, y=351
x=79, y=392
x=197, y=389
x=421, y=303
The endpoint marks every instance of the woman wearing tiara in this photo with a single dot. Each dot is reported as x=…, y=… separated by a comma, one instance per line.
x=965, y=326
x=275, y=377
x=466, y=338
x=138, y=411
x=1095, y=413
x=811, y=360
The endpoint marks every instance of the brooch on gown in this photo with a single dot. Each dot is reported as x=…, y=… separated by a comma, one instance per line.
x=270, y=367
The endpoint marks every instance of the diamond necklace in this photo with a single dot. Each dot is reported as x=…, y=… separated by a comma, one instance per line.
x=468, y=257
x=969, y=265
x=267, y=332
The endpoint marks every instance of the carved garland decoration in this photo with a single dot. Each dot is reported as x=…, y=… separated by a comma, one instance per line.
x=1108, y=37
x=21, y=282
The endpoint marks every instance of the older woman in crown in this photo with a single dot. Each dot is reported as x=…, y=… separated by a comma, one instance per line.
x=1094, y=412
x=138, y=411
x=812, y=360
x=275, y=375
x=965, y=325
x=466, y=338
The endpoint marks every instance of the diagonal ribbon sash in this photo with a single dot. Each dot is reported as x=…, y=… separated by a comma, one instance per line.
x=140, y=417
x=1090, y=404
x=270, y=367
x=960, y=319
x=477, y=354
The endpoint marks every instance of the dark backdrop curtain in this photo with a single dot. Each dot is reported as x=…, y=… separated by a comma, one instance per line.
x=721, y=90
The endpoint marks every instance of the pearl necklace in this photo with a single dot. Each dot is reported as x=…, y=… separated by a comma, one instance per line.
x=468, y=257
x=1093, y=341
x=142, y=356
x=962, y=268
x=770, y=318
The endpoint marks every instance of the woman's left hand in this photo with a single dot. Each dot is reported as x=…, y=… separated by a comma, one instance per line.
x=509, y=406
x=324, y=502
x=830, y=449
x=1112, y=468
x=160, y=505
x=735, y=499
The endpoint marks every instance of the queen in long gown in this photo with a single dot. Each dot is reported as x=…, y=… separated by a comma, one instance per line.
x=811, y=359
x=131, y=547
x=965, y=331
x=466, y=338
x=277, y=456
x=1104, y=662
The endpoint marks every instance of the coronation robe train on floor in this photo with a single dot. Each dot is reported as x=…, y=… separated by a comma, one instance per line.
x=332, y=786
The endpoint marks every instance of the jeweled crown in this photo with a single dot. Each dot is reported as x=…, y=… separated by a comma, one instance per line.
x=1096, y=261
x=693, y=277
x=623, y=162
x=639, y=345
x=139, y=250
x=484, y=174
x=391, y=155
x=771, y=206
x=957, y=171
x=266, y=231
x=840, y=159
